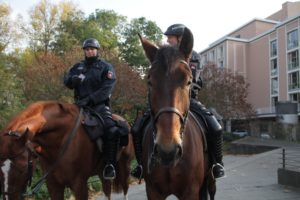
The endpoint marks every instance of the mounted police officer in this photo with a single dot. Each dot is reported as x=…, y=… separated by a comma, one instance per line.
x=214, y=137
x=93, y=81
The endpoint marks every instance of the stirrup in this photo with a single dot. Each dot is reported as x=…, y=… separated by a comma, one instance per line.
x=137, y=172
x=217, y=171
x=109, y=172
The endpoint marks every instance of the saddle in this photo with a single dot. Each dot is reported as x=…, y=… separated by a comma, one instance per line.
x=93, y=123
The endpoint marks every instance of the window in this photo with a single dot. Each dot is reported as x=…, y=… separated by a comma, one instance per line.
x=292, y=39
x=273, y=48
x=220, y=52
x=293, y=60
x=212, y=56
x=274, y=70
x=293, y=80
x=295, y=97
x=274, y=86
x=204, y=59
x=221, y=64
x=274, y=100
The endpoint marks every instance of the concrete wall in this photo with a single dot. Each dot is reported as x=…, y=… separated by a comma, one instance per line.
x=288, y=177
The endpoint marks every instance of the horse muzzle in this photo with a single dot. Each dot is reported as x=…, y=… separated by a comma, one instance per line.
x=163, y=157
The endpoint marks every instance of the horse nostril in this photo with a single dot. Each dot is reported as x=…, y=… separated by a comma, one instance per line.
x=155, y=151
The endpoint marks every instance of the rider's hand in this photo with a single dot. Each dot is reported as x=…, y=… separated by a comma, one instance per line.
x=83, y=102
x=76, y=80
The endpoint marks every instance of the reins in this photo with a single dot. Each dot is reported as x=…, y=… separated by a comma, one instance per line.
x=63, y=149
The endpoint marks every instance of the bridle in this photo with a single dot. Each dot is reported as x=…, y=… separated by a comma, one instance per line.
x=29, y=172
x=168, y=109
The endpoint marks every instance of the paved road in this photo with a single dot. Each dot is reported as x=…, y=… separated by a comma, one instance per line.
x=251, y=177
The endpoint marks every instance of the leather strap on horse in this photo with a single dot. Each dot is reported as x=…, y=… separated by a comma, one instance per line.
x=42, y=180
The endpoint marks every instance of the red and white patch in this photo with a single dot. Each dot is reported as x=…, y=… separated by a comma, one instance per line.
x=109, y=74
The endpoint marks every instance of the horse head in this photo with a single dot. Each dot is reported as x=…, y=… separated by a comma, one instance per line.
x=169, y=81
x=15, y=164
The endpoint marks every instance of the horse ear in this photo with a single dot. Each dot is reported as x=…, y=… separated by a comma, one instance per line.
x=24, y=136
x=149, y=48
x=187, y=43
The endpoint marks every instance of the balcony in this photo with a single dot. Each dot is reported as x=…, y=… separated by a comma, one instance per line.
x=293, y=65
x=294, y=86
x=270, y=111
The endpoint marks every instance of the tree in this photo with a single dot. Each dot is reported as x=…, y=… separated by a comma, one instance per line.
x=11, y=94
x=69, y=33
x=9, y=34
x=110, y=25
x=130, y=93
x=130, y=47
x=45, y=19
x=43, y=75
x=226, y=92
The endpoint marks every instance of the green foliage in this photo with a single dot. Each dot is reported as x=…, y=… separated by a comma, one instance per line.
x=130, y=46
x=11, y=93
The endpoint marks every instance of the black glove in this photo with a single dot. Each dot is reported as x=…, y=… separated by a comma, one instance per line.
x=76, y=80
x=83, y=102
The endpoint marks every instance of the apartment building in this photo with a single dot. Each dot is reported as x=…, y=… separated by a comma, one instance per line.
x=266, y=53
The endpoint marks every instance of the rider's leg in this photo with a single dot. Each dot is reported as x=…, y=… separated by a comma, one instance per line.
x=111, y=142
x=137, y=135
x=214, y=137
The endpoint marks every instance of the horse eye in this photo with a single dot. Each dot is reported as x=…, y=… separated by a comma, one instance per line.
x=189, y=83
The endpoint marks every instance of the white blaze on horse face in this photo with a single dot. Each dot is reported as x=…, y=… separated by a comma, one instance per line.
x=5, y=169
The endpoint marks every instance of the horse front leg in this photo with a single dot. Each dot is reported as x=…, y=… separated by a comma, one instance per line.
x=56, y=191
x=153, y=194
x=80, y=189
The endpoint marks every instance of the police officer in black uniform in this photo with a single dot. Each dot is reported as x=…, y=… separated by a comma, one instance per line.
x=215, y=131
x=93, y=81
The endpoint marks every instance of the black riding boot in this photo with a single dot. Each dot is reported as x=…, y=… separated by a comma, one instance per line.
x=111, y=143
x=214, y=137
x=217, y=168
x=137, y=135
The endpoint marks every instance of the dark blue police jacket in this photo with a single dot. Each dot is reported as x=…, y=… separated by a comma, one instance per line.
x=98, y=82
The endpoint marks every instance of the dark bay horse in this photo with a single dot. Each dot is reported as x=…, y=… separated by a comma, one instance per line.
x=43, y=129
x=175, y=160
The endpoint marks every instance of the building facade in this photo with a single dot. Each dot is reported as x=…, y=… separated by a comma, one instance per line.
x=266, y=53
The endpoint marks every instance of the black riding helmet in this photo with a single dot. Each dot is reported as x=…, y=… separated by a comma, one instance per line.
x=91, y=42
x=195, y=57
x=175, y=29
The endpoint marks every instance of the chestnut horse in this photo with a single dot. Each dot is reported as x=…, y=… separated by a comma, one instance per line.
x=53, y=132
x=174, y=160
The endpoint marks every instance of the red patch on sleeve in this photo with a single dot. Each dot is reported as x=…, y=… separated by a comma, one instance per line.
x=109, y=74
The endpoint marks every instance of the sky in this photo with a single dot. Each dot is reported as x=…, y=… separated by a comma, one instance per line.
x=209, y=20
